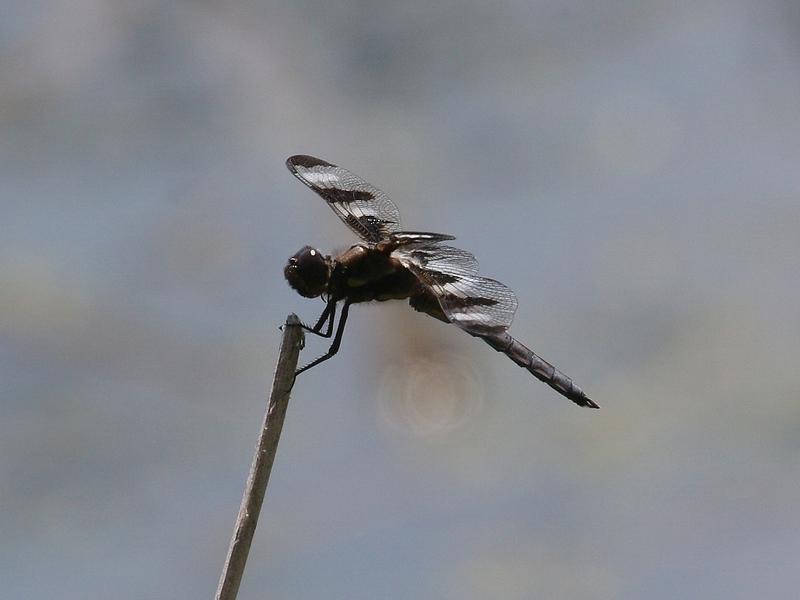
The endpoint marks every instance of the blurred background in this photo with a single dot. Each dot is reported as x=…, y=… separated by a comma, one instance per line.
x=629, y=168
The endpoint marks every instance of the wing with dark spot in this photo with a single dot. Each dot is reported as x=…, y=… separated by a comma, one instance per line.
x=364, y=208
x=476, y=304
x=401, y=238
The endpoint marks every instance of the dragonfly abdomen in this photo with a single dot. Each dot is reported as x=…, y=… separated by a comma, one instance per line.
x=539, y=367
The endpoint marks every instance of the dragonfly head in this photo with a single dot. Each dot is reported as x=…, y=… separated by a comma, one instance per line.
x=308, y=272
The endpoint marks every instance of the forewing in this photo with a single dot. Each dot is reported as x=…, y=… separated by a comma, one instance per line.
x=419, y=238
x=476, y=304
x=364, y=208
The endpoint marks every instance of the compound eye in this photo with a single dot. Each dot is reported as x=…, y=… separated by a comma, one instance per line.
x=307, y=272
x=309, y=258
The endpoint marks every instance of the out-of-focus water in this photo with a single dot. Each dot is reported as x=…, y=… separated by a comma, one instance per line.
x=629, y=169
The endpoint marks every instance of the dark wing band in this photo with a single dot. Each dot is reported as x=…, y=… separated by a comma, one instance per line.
x=402, y=238
x=364, y=208
x=478, y=305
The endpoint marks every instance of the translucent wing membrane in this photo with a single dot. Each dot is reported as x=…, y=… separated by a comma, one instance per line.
x=444, y=260
x=364, y=208
x=401, y=238
x=478, y=305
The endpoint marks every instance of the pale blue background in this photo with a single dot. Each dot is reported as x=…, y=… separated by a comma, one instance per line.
x=629, y=168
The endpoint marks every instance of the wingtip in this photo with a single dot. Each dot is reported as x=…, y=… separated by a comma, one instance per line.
x=306, y=161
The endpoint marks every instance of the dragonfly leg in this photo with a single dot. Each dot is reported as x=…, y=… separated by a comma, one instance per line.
x=329, y=315
x=337, y=340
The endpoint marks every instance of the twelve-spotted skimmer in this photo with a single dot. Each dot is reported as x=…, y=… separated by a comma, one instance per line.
x=439, y=280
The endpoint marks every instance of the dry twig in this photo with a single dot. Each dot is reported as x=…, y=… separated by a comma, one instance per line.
x=261, y=466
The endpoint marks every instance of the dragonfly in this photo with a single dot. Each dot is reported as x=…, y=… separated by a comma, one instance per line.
x=392, y=264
